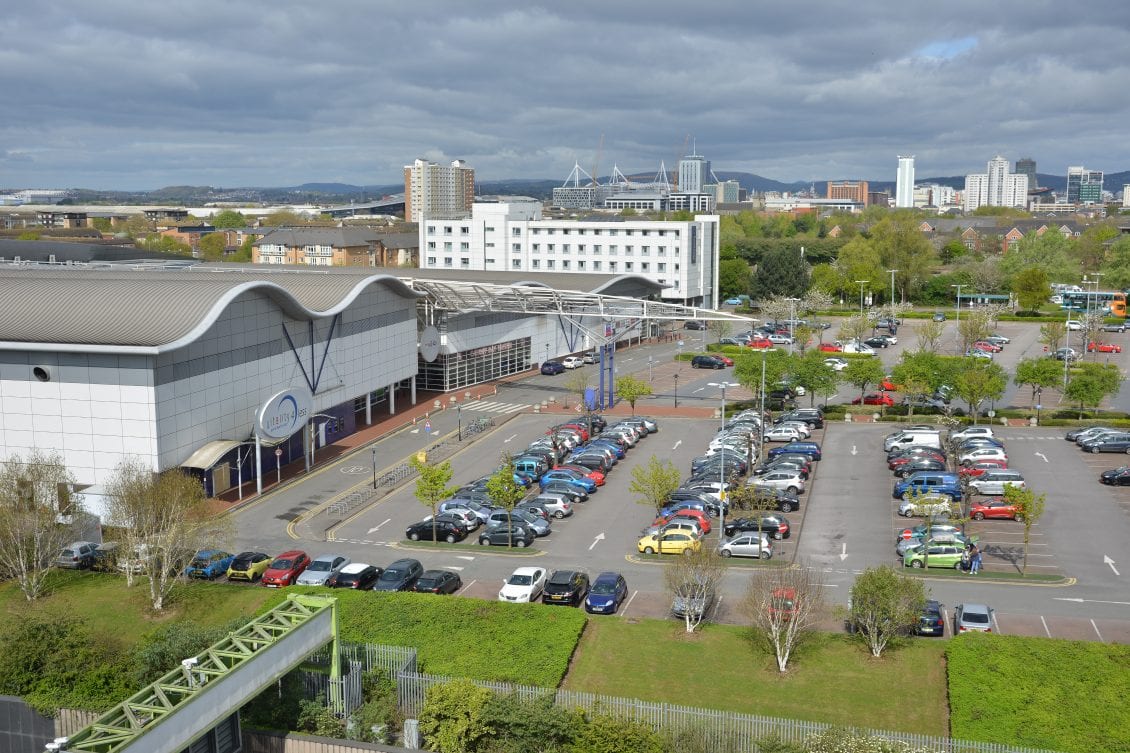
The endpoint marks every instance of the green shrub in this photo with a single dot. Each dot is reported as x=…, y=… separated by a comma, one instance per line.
x=1039, y=692
x=164, y=648
x=518, y=725
x=379, y=717
x=451, y=720
x=603, y=733
x=315, y=718
x=276, y=708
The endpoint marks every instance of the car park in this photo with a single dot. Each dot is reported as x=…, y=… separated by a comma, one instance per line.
x=607, y=593
x=523, y=586
x=401, y=575
x=321, y=569
x=551, y=368
x=994, y=509
x=972, y=617
x=285, y=569
x=707, y=362
x=438, y=582
x=747, y=545
x=572, y=362
x=248, y=566
x=568, y=587
x=503, y=534
x=359, y=576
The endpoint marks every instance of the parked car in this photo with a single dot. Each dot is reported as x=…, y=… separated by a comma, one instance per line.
x=437, y=582
x=572, y=492
x=981, y=453
x=669, y=542
x=785, y=480
x=934, y=555
x=524, y=585
x=775, y=526
x=932, y=620
x=78, y=555
x=878, y=341
x=1114, y=327
x=571, y=477
x=1119, y=476
x=566, y=587
x=836, y=364
x=696, y=324
x=933, y=529
x=322, y=569
x=1074, y=325
x=551, y=368
x=874, y=398
x=1094, y=347
x=1065, y=354
x=698, y=516
x=975, y=469
x=782, y=434
x=285, y=569
x=501, y=534
x=994, y=509
x=572, y=362
x=607, y=593
x=445, y=528
x=401, y=575
x=938, y=316
x=956, y=538
x=248, y=566
x=993, y=483
x=1000, y=340
x=356, y=575
x=747, y=545
x=970, y=432
x=972, y=618
x=812, y=449
x=693, y=601
x=914, y=465
x=591, y=357
x=930, y=505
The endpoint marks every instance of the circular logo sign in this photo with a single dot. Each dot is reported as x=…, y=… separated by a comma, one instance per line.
x=285, y=413
x=429, y=344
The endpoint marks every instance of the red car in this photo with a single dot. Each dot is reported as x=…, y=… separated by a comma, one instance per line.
x=285, y=569
x=724, y=359
x=760, y=342
x=831, y=348
x=887, y=384
x=1103, y=347
x=901, y=460
x=994, y=509
x=596, y=476
x=973, y=470
x=577, y=427
x=874, y=398
x=987, y=347
x=698, y=516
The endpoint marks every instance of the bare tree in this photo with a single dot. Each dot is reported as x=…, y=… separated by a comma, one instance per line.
x=1052, y=334
x=577, y=383
x=693, y=581
x=854, y=328
x=929, y=335
x=974, y=326
x=36, y=510
x=784, y=605
x=165, y=520
x=719, y=328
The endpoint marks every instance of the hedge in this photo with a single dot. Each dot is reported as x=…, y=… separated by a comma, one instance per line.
x=1039, y=692
x=484, y=640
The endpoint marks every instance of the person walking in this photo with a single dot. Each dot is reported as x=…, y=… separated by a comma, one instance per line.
x=974, y=560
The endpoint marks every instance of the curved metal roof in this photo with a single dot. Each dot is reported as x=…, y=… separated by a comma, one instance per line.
x=153, y=310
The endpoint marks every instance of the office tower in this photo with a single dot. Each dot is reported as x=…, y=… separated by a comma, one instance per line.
x=1084, y=186
x=848, y=190
x=694, y=173
x=904, y=182
x=434, y=190
x=1027, y=166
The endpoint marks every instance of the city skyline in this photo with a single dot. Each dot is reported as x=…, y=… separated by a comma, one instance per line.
x=119, y=97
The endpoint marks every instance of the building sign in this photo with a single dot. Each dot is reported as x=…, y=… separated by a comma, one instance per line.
x=429, y=344
x=285, y=413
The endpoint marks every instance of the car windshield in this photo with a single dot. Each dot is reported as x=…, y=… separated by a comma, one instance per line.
x=561, y=579
x=282, y=564
x=520, y=580
x=392, y=575
x=424, y=583
x=242, y=562
x=604, y=587
x=322, y=566
x=200, y=562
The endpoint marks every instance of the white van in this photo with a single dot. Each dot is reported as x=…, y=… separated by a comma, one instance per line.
x=929, y=438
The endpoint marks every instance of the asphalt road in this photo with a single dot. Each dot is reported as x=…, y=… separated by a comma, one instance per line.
x=845, y=524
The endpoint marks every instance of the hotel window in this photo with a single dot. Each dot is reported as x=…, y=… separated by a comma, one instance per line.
x=464, y=230
x=581, y=265
x=596, y=250
x=565, y=231
x=516, y=264
x=644, y=232
x=517, y=232
x=535, y=247
x=488, y=261
x=535, y=263
x=645, y=250
x=447, y=229
x=464, y=246
x=447, y=261
x=516, y=248
x=612, y=231
x=628, y=250
x=662, y=267
x=611, y=266
x=596, y=266
x=447, y=246
x=535, y=231
x=613, y=249
x=549, y=263
x=580, y=231
x=565, y=264
x=431, y=229
x=431, y=245
x=564, y=248
x=627, y=266
x=662, y=250
x=488, y=244
x=581, y=249
x=488, y=229
x=465, y=263
x=645, y=267
x=550, y=247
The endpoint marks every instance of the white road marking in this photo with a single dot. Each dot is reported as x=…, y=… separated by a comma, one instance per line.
x=465, y=587
x=1108, y=561
x=700, y=389
x=1042, y=455
x=996, y=625
x=853, y=450
x=378, y=526
x=1091, y=601
x=507, y=440
x=467, y=557
x=1100, y=635
x=628, y=603
x=455, y=567
x=1048, y=632
x=843, y=554
x=599, y=537
x=677, y=445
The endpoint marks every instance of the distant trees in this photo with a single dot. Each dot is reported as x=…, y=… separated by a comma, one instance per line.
x=733, y=278
x=780, y=272
x=228, y=219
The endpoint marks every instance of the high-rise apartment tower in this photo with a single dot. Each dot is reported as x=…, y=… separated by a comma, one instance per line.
x=904, y=182
x=432, y=190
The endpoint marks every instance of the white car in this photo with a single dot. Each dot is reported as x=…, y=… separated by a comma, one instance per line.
x=837, y=364
x=928, y=505
x=782, y=434
x=785, y=480
x=1074, y=325
x=801, y=426
x=983, y=453
x=747, y=545
x=591, y=357
x=971, y=431
x=777, y=339
x=572, y=362
x=524, y=585
x=858, y=348
x=465, y=515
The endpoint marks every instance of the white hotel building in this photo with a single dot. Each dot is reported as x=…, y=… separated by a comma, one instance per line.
x=508, y=234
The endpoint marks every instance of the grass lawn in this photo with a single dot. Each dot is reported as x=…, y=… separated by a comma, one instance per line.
x=111, y=609
x=830, y=680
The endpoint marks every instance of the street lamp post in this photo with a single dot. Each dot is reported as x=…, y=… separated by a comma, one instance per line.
x=861, y=283
x=1039, y=400
x=459, y=419
x=723, y=386
x=891, y=272
x=722, y=464
x=374, y=451
x=676, y=390
x=546, y=352
x=959, y=287
x=650, y=371
x=792, y=322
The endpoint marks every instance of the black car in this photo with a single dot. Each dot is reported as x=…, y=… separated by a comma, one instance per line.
x=919, y=464
x=814, y=417
x=1119, y=442
x=573, y=493
x=399, y=576
x=1116, y=476
x=782, y=500
x=694, y=324
x=795, y=458
x=550, y=368
x=566, y=587
x=594, y=460
x=357, y=575
x=877, y=342
x=931, y=621
x=438, y=582
x=501, y=534
x=708, y=502
x=775, y=526
x=446, y=528
x=707, y=362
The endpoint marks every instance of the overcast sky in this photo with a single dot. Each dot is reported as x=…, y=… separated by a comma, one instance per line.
x=124, y=94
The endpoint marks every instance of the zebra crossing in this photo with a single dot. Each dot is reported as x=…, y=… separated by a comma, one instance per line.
x=492, y=406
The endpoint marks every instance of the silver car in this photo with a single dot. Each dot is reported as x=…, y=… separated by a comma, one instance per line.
x=972, y=618
x=785, y=480
x=322, y=569
x=747, y=545
x=557, y=505
x=521, y=517
x=927, y=505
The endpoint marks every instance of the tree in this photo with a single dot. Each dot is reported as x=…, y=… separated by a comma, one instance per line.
x=1038, y=373
x=719, y=328
x=212, y=247
x=810, y=371
x=733, y=278
x=631, y=389
x=1052, y=334
x=432, y=488
x=1091, y=382
x=164, y=519
x=915, y=374
x=861, y=372
x=451, y=720
x=855, y=327
x=228, y=219
x=929, y=335
x=34, y=493
x=784, y=605
x=285, y=218
x=953, y=249
x=976, y=325
x=780, y=272
x=1116, y=269
x=577, y=383
x=885, y=606
x=748, y=370
x=902, y=246
x=981, y=379
x=1050, y=252
x=1031, y=288
x=694, y=579
x=654, y=482
x=1030, y=506
x=506, y=492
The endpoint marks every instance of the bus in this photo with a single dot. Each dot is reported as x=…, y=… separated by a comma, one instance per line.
x=1110, y=303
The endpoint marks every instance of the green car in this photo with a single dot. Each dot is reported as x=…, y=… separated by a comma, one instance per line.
x=941, y=555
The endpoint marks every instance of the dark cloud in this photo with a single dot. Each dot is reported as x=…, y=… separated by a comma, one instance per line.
x=124, y=94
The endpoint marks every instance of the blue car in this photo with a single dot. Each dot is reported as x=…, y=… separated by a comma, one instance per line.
x=732, y=301
x=570, y=477
x=685, y=504
x=812, y=449
x=209, y=563
x=611, y=444
x=607, y=593
x=551, y=368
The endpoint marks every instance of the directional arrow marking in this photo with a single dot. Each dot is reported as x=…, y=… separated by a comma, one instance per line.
x=677, y=445
x=599, y=537
x=509, y=438
x=1108, y=561
x=843, y=554
x=1042, y=455
x=378, y=526
x=853, y=449
x=1091, y=601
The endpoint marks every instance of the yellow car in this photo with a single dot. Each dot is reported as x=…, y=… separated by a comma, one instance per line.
x=669, y=542
x=248, y=566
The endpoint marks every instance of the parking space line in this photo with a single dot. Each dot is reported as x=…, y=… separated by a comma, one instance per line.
x=1048, y=632
x=466, y=586
x=1100, y=635
x=996, y=625
x=629, y=603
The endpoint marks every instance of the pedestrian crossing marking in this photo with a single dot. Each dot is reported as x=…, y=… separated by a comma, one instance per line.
x=490, y=406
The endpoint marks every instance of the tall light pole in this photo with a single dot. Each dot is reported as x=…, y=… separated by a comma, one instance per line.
x=959, y=287
x=723, y=386
x=722, y=465
x=891, y=272
x=459, y=418
x=861, y=283
x=676, y=390
x=792, y=322
x=546, y=352
x=374, y=451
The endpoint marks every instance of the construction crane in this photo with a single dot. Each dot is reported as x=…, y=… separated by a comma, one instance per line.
x=596, y=162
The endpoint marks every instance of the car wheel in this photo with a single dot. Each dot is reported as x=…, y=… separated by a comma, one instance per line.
x=978, y=516
x=792, y=490
x=414, y=536
x=648, y=550
x=778, y=536
x=484, y=542
x=765, y=555
x=727, y=553
x=450, y=538
x=1094, y=450
x=908, y=514
x=957, y=566
x=916, y=563
x=787, y=507
x=559, y=515
x=521, y=544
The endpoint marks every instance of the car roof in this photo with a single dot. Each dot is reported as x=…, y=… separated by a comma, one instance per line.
x=327, y=557
x=355, y=568
x=607, y=576
x=528, y=570
x=291, y=554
